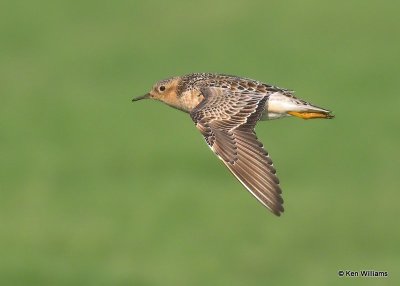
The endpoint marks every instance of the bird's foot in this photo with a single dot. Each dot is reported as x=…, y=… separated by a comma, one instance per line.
x=311, y=115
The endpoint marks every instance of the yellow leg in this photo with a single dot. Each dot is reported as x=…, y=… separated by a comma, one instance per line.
x=310, y=115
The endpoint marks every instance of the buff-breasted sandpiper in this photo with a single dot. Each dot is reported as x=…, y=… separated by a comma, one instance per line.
x=226, y=109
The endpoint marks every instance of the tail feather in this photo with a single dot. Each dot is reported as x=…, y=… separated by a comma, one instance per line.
x=280, y=104
x=308, y=111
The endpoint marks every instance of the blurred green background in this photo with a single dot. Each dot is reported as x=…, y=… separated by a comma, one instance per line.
x=96, y=190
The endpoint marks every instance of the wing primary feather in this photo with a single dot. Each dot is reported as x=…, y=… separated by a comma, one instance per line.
x=227, y=119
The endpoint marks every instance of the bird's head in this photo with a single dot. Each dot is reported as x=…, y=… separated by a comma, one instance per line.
x=164, y=90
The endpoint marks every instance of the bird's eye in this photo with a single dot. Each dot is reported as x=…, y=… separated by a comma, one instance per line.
x=161, y=88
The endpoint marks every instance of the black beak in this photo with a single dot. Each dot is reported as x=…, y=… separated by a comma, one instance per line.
x=141, y=97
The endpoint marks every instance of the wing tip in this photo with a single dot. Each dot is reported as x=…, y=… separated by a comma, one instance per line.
x=278, y=210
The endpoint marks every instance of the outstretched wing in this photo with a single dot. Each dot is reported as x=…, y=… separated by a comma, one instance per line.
x=227, y=119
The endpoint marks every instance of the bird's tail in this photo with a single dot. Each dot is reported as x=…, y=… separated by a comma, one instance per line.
x=306, y=110
x=290, y=105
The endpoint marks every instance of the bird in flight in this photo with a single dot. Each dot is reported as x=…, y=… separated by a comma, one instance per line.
x=226, y=109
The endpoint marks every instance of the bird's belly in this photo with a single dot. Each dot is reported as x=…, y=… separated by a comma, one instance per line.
x=272, y=115
x=277, y=106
